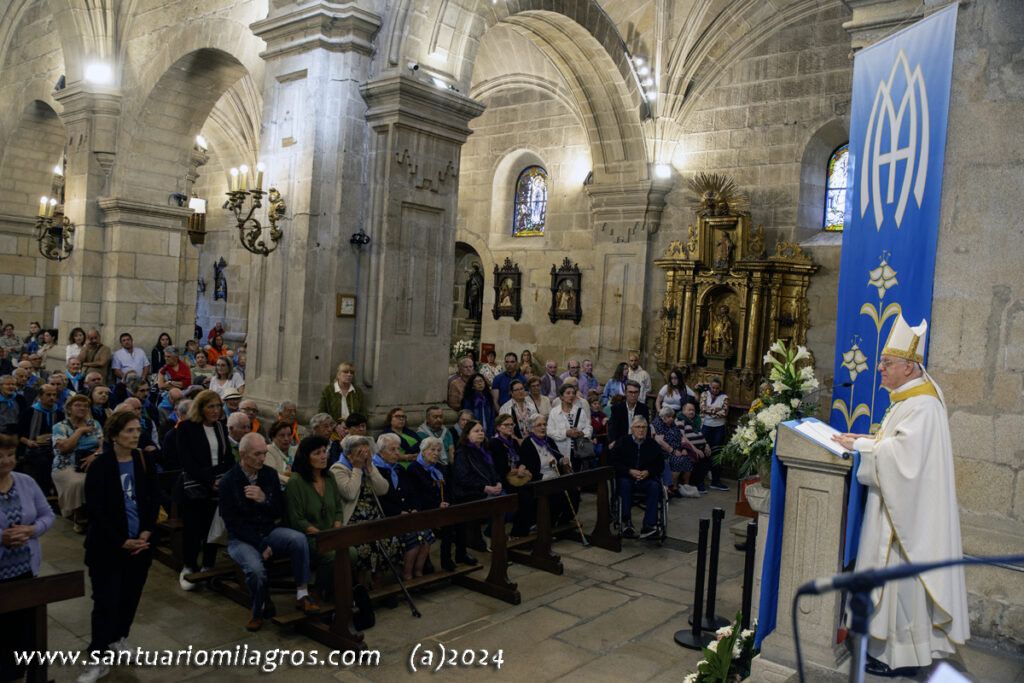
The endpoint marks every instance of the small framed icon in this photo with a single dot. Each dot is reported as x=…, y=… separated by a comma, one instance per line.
x=346, y=306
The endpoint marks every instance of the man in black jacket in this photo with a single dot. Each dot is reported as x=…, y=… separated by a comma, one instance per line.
x=251, y=502
x=638, y=465
x=623, y=413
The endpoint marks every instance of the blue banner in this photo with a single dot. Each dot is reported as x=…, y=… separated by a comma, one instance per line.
x=894, y=187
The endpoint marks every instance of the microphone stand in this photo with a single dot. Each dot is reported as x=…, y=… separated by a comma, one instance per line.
x=860, y=584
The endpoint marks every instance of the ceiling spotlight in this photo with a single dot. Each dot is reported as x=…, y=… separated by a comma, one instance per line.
x=57, y=170
x=639, y=61
x=201, y=142
x=663, y=171
x=643, y=71
x=413, y=66
x=439, y=83
x=652, y=95
x=647, y=82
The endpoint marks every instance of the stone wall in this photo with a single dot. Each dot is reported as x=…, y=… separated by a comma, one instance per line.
x=756, y=124
x=977, y=335
x=522, y=127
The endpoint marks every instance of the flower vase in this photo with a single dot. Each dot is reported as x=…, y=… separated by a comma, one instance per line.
x=764, y=471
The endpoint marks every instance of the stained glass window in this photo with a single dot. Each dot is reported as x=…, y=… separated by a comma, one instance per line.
x=531, y=202
x=835, y=194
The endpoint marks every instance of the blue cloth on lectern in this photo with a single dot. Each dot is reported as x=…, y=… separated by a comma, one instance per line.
x=768, y=605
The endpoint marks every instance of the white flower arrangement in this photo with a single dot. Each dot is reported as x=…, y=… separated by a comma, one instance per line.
x=754, y=438
x=728, y=657
x=462, y=347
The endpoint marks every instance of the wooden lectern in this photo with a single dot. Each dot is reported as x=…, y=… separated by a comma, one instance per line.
x=816, y=494
x=34, y=594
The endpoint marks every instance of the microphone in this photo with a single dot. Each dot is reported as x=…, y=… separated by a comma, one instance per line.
x=873, y=578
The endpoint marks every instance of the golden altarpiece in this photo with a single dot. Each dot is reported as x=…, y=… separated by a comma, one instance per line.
x=727, y=301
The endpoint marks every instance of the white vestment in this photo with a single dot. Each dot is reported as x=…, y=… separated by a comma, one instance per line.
x=911, y=515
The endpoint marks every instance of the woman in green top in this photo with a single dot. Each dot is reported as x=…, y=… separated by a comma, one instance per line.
x=203, y=372
x=314, y=504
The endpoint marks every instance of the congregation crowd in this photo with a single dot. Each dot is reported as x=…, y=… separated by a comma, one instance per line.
x=96, y=430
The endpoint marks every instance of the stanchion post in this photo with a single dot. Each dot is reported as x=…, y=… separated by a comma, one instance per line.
x=748, y=573
x=712, y=622
x=694, y=638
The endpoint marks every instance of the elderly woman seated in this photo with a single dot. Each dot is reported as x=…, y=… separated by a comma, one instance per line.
x=77, y=441
x=401, y=499
x=360, y=484
x=679, y=453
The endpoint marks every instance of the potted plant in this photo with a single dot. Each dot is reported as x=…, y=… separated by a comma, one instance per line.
x=727, y=658
x=781, y=398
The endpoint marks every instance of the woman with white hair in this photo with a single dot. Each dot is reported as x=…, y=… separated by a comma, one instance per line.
x=360, y=484
x=675, y=447
x=401, y=499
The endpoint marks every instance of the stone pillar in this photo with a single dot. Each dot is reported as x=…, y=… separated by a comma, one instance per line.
x=147, y=279
x=313, y=145
x=816, y=491
x=685, y=350
x=624, y=216
x=752, y=361
x=413, y=170
x=90, y=124
x=760, y=499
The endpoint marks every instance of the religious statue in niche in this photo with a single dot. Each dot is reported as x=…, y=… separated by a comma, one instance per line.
x=718, y=337
x=220, y=281
x=723, y=251
x=507, y=291
x=565, y=293
x=474, y=298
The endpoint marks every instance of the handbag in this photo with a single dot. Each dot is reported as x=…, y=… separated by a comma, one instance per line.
x=515, y=479
x=582, y=447
x=192, y=489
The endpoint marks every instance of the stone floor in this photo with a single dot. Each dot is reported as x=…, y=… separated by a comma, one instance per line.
x=610, y=617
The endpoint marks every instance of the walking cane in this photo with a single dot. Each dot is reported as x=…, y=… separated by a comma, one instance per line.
x=394, y=570
x=579, y=526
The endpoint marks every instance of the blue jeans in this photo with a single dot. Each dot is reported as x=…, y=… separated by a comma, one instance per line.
x=651, y=488
x=282, y=541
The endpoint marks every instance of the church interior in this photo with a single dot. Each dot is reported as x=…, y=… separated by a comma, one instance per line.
x=562, y=148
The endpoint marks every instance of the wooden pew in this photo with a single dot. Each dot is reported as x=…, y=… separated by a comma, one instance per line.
x=341, y=634
x=34, y=594
x=541, y=557
x=168, y=550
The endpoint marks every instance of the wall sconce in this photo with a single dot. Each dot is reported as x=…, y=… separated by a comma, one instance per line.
x=54, y=230
x=197, y=221
x=250, y=230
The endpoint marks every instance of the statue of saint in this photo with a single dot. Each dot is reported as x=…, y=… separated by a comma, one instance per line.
x=474, y=299
x=723, y=251
x=718, y=339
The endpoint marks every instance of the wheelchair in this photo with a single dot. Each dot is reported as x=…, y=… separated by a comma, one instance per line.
x=639, y=501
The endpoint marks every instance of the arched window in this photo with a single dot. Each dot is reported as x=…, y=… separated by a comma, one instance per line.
x=835, y=189
x=531, y=204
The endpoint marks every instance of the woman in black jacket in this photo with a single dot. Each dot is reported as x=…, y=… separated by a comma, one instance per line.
x=205, y=453
x=122, y=493
x=473, y=473
x=541, y=456
x=433, y=490
x=515, y=471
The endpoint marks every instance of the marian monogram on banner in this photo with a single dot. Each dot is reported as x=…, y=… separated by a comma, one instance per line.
x=887, y=116
x=897, y=144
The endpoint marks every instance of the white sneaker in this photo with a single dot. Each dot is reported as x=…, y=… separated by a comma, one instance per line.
x=185, y=584
x=689, y=491
x=93, y=673
x=121, y=645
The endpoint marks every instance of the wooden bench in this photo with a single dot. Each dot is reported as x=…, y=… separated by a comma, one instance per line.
x=340, y=633
x=34, y=594
x=168, y=550
x=601, y=536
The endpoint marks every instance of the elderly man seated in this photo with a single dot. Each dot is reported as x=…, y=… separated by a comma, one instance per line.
x=251, y=503
x=238, y=426
x=638, y=464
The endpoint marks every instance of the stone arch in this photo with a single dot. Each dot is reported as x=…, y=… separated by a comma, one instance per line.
x=579, y=39
x=465, y=256
x=817, y=150
x=154, y=157
x=35, y=145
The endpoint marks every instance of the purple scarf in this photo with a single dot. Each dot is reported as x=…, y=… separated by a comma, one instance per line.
x=511, y=449
x=485, y=454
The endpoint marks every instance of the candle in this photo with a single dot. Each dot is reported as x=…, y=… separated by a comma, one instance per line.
x=42, y=207
x=244, y=171
x=259, y=176
x=234, y=179
x=53, y=204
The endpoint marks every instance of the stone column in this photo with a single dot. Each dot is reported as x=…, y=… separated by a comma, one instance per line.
x=147, y=282
x=685, y=348
x=624, y=216
x=313, y=145
x=752, y=361
x=90, y=124
x=417, y=131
